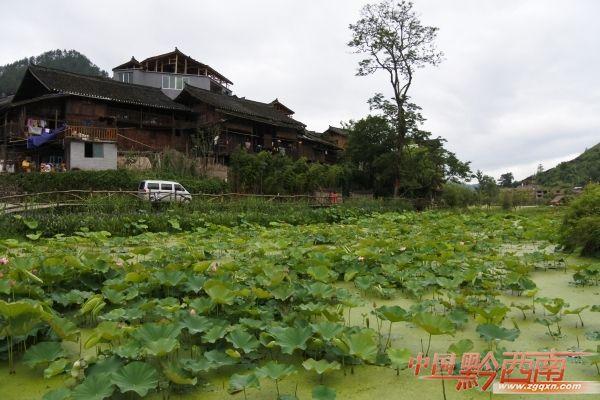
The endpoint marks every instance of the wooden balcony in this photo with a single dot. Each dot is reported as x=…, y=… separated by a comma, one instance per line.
x=91, y=133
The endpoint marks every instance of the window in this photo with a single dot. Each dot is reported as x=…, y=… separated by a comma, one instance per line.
x=174, y=82
x=126, y=77
x=93, y=150
x=166, y=186
x=178, y=188
x=152, y=186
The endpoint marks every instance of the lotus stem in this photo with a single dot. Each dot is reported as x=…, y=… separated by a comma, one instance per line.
x=579, y=315
x=428, y=345
x=443, y=386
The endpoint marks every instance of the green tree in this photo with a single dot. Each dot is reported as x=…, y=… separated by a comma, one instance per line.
x=487, y=190
x=506, y=180
x=425, y=164
x=394, y=40
x=68, y=60
x=581, y=224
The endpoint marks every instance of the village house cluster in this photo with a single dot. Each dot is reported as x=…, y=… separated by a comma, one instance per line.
x=59, y=120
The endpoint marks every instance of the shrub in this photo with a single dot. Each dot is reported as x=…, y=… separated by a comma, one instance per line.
x=120, y=179
x=581, y=224
x=455, y=195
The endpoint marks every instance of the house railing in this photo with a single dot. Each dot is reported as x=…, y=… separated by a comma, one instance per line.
x=91, y=133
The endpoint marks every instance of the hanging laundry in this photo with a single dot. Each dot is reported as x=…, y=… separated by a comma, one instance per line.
x=37, y=141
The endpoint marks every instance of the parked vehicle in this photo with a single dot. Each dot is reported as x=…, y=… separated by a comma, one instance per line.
x=163, y=191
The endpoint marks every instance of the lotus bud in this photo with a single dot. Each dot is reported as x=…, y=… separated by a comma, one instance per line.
x=34, y=271
x=77, y=364
x=3, y=260
x=12, y=283
x=361, y=258
x=192, y=311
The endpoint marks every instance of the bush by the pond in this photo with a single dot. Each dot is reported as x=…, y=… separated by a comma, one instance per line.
x=581, y=224
x=120, y=179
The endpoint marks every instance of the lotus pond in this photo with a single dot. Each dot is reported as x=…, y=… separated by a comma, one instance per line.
x=317, y=311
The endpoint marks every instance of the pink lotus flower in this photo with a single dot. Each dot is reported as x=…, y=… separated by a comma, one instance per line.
x=119, y=263
x=3, y=260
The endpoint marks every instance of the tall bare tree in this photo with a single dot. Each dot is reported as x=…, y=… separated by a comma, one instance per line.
x=394, y=40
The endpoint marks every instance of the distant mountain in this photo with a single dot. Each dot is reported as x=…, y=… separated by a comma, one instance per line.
x=576, y=172
x=68, y=60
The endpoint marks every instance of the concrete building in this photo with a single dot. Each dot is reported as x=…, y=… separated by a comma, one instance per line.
x=171, y=72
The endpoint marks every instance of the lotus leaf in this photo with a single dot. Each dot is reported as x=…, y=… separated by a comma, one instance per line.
x=494, y=332
x=327, y=330
x=243, y=340
x=399, y=357
x=433, y=324
x=219, y=292
x=321, y=366
x=95, y=387
x=275, y=371
x=323, y=393
x=56, y=367
x=57, y=394
x=139, y=377
x=291, y=338
x=362, y=345
x=177, y=375
x=461, y=347
x=239, y=382
x=392, y=313
x=43, y=353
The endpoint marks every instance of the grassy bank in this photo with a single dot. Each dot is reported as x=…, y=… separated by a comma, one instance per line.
x=126, y=215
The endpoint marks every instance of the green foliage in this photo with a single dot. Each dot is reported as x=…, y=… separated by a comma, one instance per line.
x=581, y=224
x=577, y=172
x=67, y=60
x=421, y=169
x=323, y=393
x=278, y=174
x=455, y=195
x=43, y=354
x=506, y=180
x=138, y=377
x=96, y=387
x=165, y=310
x=120, y=179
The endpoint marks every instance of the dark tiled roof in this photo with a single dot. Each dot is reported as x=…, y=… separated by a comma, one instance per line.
x=244, y=108
x=5, y=102
x=190, y=59
x=276, y=103
x=339, y=131
x=133, y=63
x=316, y=137
x=102, y=88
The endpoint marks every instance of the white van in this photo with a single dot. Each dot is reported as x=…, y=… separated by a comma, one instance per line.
x=162, y=191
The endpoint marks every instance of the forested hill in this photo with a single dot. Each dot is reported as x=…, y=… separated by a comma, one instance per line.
x=576, y=172
x=68, y=60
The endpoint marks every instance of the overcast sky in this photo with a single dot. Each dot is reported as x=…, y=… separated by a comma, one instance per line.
x=520, y=84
